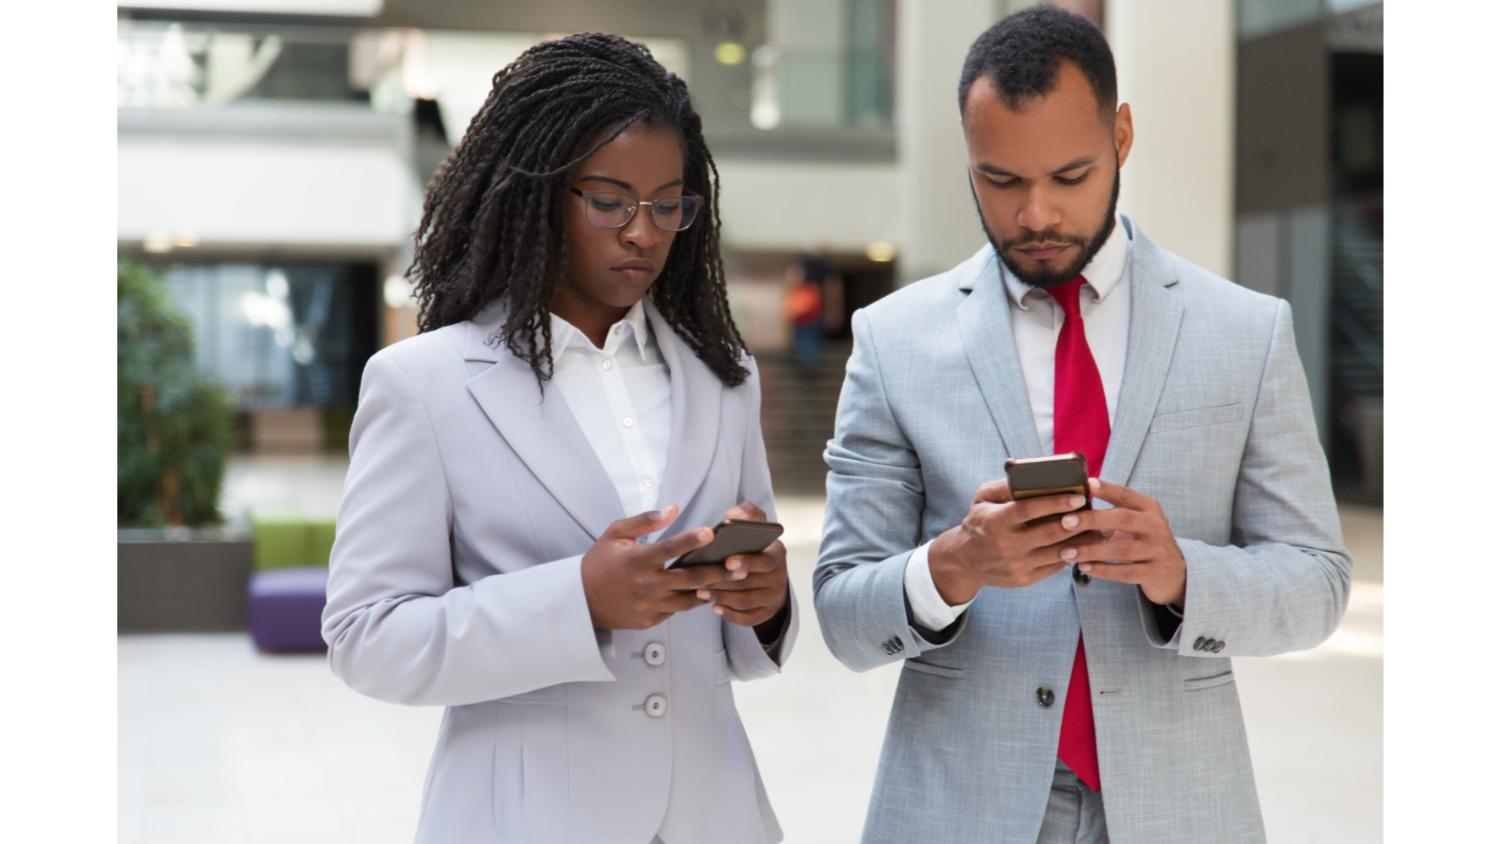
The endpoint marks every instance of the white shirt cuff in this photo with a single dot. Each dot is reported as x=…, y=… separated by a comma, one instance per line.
x=927, y=604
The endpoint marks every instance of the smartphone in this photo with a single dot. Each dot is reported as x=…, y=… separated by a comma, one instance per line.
x=1059, y=474
x=732, y=536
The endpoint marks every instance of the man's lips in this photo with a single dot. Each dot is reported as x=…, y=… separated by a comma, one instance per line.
x=1044, y=252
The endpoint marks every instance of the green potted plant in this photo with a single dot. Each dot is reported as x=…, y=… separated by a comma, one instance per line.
x=176, y=572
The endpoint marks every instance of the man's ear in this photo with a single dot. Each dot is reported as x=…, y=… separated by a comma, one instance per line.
x=1124, y=133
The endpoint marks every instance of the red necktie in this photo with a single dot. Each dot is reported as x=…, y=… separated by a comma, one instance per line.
x=1080, y=422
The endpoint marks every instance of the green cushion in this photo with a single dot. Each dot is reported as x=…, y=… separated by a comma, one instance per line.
x=286, y=542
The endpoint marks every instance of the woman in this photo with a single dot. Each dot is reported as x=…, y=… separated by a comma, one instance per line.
x=578, y=410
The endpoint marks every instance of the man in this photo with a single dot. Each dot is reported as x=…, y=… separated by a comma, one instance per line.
x=1070, y=680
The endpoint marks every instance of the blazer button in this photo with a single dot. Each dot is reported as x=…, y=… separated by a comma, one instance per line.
x=1080, y=578
x=656, y=706
x=656, y=654
x=1218, y=646
x=1044, y=697
x=1201, y=644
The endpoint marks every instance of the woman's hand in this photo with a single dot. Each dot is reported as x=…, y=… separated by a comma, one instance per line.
x=755, y=591
x=626, y=582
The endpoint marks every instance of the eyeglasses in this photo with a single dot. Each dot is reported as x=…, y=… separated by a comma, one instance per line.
x=609, y=210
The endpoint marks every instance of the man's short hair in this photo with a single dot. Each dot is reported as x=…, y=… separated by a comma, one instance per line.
x=1021, y=54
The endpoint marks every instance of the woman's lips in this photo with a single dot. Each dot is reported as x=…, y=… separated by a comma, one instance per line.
x=637, y=272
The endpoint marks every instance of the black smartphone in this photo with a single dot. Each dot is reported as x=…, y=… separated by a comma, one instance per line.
x=1059, y=474
x=731, y=536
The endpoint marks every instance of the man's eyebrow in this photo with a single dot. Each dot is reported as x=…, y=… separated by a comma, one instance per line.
x=991, y=170
x=626, y=185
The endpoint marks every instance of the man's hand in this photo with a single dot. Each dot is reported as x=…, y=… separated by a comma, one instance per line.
x=755, y=591
x=1137, y=545
x=626, y=583
x=995, y=545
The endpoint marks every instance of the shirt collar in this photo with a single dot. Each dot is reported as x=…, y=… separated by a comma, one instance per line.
x=1103, y=272
x=565, y=334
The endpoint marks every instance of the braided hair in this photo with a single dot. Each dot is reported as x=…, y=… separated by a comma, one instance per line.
x=492, y=222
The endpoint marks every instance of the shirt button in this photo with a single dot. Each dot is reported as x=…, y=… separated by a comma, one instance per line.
x=628, y=422
x=607, y=365
x=1044, y=697
x=619, y=329
x=656, y=654
x=648, y=483
x=656, y=706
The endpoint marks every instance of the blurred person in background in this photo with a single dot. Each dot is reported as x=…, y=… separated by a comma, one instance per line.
x=805, y=308
x=577, y=365
x=1069, y=679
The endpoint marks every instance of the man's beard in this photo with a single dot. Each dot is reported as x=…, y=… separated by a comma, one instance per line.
x=1088, y=247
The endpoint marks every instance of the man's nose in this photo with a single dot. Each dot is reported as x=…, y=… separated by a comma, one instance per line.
x=1038, y=213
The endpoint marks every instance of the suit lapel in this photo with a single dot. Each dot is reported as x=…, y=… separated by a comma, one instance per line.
x=697, y=394
x=990, y=345
x=1155, y=316
x=542, y=431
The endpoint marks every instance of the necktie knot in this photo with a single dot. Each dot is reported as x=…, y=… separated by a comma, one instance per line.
x=1067, y=294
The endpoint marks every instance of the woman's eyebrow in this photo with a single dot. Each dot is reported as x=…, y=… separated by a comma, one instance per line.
x=627, y=185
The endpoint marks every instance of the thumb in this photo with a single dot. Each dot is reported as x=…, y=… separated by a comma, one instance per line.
x=637, y=526
x=746, y=510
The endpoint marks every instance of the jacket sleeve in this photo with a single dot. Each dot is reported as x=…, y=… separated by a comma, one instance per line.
x=748, y=658
x=1283, y=583
x=872, y=525
x=398, y=627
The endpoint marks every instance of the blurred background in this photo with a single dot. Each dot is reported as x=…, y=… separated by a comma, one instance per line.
x=272, y=156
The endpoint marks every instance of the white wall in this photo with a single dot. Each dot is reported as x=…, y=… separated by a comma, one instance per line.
x=1175, y=60
x=785, y=205
x=221, y=188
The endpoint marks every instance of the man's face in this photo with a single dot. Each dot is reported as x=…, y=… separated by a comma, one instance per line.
x=1046, y=177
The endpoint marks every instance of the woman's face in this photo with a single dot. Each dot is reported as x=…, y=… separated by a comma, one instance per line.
x=610, y=269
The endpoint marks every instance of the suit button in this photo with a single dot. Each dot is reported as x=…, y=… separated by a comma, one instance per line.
x=1044, y=696
x=1218, y=646
x=656, y=706
x=1201, y=644
x=892, y=647
x=1080, y=578
x=656, y=654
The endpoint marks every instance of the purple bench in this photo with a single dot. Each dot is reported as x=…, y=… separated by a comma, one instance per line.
x=286, y=608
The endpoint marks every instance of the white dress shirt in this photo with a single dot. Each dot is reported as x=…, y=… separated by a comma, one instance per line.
x=621, y=396
x=1036, y=319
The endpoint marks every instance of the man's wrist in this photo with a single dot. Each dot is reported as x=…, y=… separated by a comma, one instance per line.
x=953, y=582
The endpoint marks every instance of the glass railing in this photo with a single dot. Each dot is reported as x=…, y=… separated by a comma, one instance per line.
x=189, y=65
x=763, y=93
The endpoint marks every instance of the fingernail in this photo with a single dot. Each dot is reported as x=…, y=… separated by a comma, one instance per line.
x=718, y=610
x=654, y=515
x=1075, y=501
x=732, y=563
x=1085, y=567
x=705, y=536
x=1069, y=553
x=1070, y=522
x=705, y=594
x=740, y=575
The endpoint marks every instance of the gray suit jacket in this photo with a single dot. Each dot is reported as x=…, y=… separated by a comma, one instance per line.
x=1213, y=420
x=470, y=500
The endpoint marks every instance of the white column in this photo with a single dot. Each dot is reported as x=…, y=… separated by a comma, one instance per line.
x=939, y=226
x=1175, y=60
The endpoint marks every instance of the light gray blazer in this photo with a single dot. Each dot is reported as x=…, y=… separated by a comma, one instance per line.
x=470, y=500
x=1213, y=420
